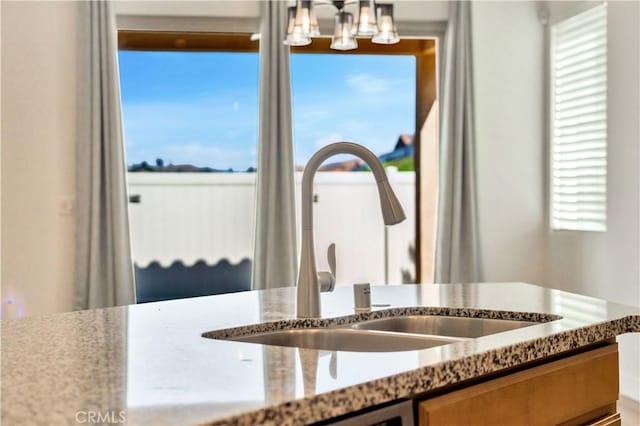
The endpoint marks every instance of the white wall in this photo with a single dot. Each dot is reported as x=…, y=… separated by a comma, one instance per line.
x=413, y=18
x=404, y=10
x=606, y=264
x=38, y=129
x=508, y=87
x=223, y=9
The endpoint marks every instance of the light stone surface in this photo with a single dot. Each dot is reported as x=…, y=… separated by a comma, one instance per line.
x=149, y=364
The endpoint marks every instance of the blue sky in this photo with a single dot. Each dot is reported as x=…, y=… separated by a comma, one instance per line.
x=202, y=108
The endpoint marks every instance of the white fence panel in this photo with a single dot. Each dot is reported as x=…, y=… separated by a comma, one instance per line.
x=193, y=216
x=402, y=237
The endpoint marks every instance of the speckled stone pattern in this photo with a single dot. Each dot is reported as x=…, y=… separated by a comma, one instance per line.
x=150, y=364
x=387, y=313
x=63, y=364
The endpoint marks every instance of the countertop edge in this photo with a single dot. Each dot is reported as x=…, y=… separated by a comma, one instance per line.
x=429, y=378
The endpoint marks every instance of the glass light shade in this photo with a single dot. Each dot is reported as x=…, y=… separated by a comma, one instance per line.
x=306, y=18
x=295, y=33
x=343, y=38
x=366, y=23
x=387, y=33
x=291, y=19
x=314, y=29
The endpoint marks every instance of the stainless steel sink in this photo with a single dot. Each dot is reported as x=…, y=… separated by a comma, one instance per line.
x=434, y=325
x=345, y=339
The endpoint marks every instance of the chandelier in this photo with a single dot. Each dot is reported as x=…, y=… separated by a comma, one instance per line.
x=374, y=20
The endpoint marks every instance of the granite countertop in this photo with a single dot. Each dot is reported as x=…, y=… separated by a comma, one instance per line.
x=149, y=364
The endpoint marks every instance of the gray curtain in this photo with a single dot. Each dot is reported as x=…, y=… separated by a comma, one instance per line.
x=104, y=270
x=275, y=255
x=457, y=241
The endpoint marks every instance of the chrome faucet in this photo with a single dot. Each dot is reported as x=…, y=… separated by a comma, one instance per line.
x=310, y=282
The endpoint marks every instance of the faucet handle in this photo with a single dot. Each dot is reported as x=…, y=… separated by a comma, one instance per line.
x=331, y=257
x=327, y=280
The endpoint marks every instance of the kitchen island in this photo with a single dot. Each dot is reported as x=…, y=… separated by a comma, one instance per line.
x=150, y=364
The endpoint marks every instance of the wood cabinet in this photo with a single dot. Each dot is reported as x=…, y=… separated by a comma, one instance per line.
x=579, y=389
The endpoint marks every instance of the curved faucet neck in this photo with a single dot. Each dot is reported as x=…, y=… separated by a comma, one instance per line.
x=320, y=157
x=308, y=287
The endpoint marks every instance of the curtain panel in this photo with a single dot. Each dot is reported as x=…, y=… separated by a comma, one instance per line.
x=275, y=255
x=104, y=269
x=457, y=240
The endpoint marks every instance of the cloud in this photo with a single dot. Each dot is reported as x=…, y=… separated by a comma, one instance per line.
x=204, y=154
x=152, y=125
x=312, y=112
x=326, y=139
x=368, y=84
x=203, y=132
x=220, y=129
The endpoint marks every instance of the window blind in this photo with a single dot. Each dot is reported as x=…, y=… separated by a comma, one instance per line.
x=579, y=121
